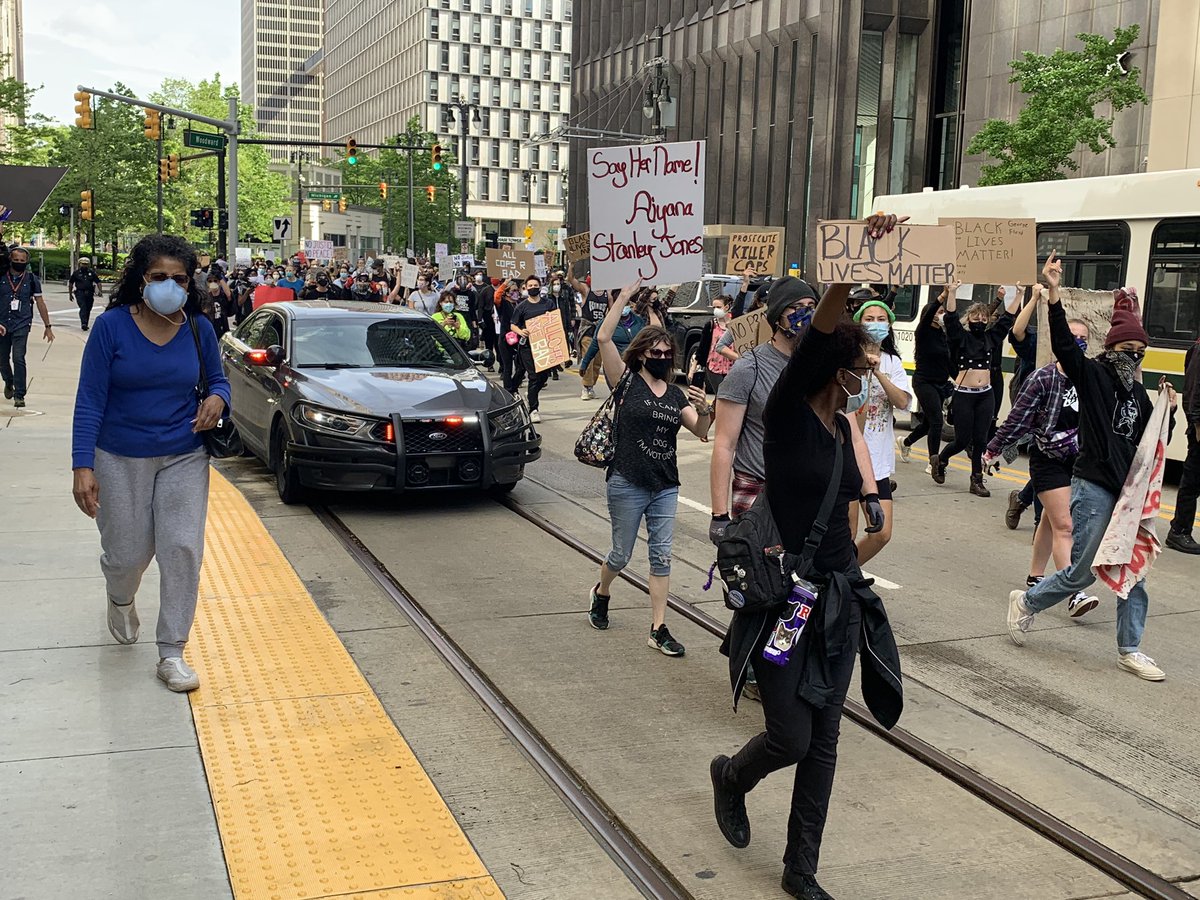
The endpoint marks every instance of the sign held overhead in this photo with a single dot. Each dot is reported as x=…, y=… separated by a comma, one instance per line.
x=995, y=251
x=507, y=262
x=755, y=250
x=909, y=254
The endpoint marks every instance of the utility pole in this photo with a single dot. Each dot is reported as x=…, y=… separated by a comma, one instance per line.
x=412, y=228
x=658, y=79
x=463, y=107
x=160, y=183
x=222, y=213
x=299, y=157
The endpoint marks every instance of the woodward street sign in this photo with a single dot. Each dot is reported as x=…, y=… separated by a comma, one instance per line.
x=204, y=140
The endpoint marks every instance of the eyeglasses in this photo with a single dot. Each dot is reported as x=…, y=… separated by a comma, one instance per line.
x=181, y=280
x=660, y=354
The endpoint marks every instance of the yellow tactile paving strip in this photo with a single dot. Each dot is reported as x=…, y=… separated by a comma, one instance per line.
x=316, y=792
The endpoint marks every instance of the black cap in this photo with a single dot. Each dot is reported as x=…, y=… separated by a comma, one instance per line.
x=784, y=293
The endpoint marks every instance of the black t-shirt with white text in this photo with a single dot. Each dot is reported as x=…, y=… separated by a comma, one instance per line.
x=647, y=428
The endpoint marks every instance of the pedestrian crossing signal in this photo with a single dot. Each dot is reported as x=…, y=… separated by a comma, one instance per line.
x=83, y=109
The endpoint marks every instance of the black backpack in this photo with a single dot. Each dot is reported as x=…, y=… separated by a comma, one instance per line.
x=757, y=571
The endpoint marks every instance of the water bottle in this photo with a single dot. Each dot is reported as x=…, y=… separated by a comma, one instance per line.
x=791, y=623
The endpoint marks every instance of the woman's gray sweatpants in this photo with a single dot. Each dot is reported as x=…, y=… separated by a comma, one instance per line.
x=155, y=508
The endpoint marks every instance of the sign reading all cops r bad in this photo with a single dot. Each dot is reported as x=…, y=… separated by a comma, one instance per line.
x=646, y=208
x=908, y=254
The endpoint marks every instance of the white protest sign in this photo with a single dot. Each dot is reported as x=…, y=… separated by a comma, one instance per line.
x=463, y=260
x=241, y=256
x=318, y=249
x=390, y=261
x=440, y=251
x=539, y=265
x=408, y=275
x=646, y=208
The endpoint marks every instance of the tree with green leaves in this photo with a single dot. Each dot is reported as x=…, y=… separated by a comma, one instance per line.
x=1063, y=91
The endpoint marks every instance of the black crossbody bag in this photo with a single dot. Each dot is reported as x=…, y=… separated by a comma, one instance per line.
x=757, y=571
x=222, y=440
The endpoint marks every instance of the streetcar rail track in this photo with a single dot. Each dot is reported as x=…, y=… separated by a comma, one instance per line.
x=1086, y=848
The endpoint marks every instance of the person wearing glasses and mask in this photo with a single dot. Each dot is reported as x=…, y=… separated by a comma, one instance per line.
x=643, y=479
x=1114, y=409
x=140, y=467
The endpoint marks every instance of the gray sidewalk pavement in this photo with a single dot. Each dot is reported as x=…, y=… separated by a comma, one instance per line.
x=103, y=790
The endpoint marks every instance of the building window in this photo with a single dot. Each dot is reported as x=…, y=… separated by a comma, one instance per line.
x=497, y=24
x=485, y=60
x=434, y=21
x=537, y=35
x=904, y=104
x=474, y=151
x=546, y=63
x=948, y=115
x=483, y=185
x=445, y=66
x=527, y=65
x=529, y=7
x=495, y=93
x=476, y=29
x=866, y=122
x=455, y=28
x=555, y=98
x=514, y=95
x=433, y=88
x=475, y=89
x=566, y=10
x=503, y=187
x=544, y=189
x=554, y=157
x=558, y=37
x=506, y=63
x=535, y=95
x=566, y=71
x=514, y=156
x=495, y=154
x=525, y=125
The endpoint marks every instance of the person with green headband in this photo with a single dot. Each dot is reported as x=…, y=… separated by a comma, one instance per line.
x=889, y=391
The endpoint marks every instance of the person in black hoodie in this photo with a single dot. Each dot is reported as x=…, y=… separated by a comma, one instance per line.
x=827, y=376
x=1114, y=409
x=931, y=379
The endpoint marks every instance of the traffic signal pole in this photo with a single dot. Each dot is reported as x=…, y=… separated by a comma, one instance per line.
x=160, y=184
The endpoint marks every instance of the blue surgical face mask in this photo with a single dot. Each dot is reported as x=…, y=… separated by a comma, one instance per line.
x=855, y=402
x=164, y=297
x=877, y=331
x=1081, y=343
x=626, y=311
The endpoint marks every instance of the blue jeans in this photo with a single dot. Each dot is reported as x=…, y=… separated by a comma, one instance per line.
x=1091, y=509
x=627, y=505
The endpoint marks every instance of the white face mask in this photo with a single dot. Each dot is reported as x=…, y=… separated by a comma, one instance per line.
x=719, y=313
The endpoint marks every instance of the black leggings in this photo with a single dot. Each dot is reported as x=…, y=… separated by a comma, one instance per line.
x=512, y=371
x=930, y=397
x=973, y=415
x=537, y=380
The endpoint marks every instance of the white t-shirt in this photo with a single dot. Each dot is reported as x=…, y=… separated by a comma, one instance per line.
x=425, y=301
x=877, y=422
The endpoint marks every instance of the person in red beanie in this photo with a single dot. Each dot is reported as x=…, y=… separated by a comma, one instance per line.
x=1114, y=408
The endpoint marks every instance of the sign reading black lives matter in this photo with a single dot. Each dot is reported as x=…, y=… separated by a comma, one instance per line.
x=908, y=254
x=646, y=206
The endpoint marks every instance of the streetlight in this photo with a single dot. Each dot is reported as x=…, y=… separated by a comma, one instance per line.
x=299, y=157
x=527, y=177
x=462, y=106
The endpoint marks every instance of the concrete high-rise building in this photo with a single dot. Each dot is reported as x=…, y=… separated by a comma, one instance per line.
x=414, y=57
x=281, y=77
x=812, y=108
x=12, y=50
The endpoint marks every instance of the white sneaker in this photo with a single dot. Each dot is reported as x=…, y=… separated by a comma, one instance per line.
x=1140, y=665
x=1081, y=604
x=535, y=417
x=905, y=450
x=587, y=394
x=123, y=622
x=177, y=674
x=1020, y=618
x=929, y=468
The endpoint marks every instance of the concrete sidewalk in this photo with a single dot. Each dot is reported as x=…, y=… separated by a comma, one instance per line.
x=104, y=793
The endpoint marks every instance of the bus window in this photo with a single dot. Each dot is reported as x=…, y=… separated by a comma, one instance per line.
x=1173, y=302
x=906, y=302
x=1093, y=254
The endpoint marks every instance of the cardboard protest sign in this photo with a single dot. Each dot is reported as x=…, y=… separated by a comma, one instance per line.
x=578, y=246
x=760, y=251
x=750, y=330
x=408, y=275
x=1092, y=307
x=508, y=262
x=646, y=206
x=994, y=251
x=909, y=254
x=547, y=341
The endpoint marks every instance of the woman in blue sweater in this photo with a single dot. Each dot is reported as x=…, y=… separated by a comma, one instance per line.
x=138, y=455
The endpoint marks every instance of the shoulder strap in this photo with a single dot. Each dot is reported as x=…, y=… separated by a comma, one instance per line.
x=821, y=523
x=202, y=384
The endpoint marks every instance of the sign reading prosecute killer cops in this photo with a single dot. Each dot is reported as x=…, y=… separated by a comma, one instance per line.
x=646, y=207
x=758, y=251
x=909, y=254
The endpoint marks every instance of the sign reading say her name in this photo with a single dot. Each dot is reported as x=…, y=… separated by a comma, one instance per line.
x=995, y=251
x=646, y=205
x=547, y=341
x=908, y=254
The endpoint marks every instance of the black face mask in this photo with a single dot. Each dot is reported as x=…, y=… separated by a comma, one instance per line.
x=977, y=327
x=534, y=291
x=18, y=266
x=659, y=368
x=323, y=280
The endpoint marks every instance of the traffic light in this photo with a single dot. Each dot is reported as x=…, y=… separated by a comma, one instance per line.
x=436, y=158
x=222, y=218
x=528, y=233
x=202, y=218
x=85, y=205
x=152, y=126
x=342, y=205
x=326, y=205
x=431, y=193
x=173, y=165
x=83, y=109
x=164, y=170
x=352, y=152
x=383, y=186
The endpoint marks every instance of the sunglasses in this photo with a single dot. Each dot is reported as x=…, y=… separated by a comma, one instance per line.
x=660, y=354
x=181, y=280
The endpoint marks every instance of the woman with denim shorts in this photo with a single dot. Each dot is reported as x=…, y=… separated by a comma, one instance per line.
x=643, y=480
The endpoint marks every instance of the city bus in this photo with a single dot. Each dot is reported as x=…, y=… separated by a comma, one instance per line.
x=1140, y=230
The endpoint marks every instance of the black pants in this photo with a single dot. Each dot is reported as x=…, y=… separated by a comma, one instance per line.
x=14, y=373
x=1185, y=503
x=973, y=414
x=801, y=735
x=537, y=380
x=930, y=398
x=512, y=372
x=85, y=302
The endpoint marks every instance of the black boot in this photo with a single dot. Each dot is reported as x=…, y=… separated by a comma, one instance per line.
x=978, y=488
x=729, y=804
x=937, y=469
x=803, y=886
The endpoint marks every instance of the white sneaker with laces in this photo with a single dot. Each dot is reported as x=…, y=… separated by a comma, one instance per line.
x=929, y=468
x=1020, y=618
x=905, y=450
x=123, y=621
x=535, y=417
x=586, y=394
x=177, y=674
x=1081, y=604
x=1140, y=665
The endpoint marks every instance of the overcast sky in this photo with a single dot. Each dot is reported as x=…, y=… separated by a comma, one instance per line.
x=137, y=42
